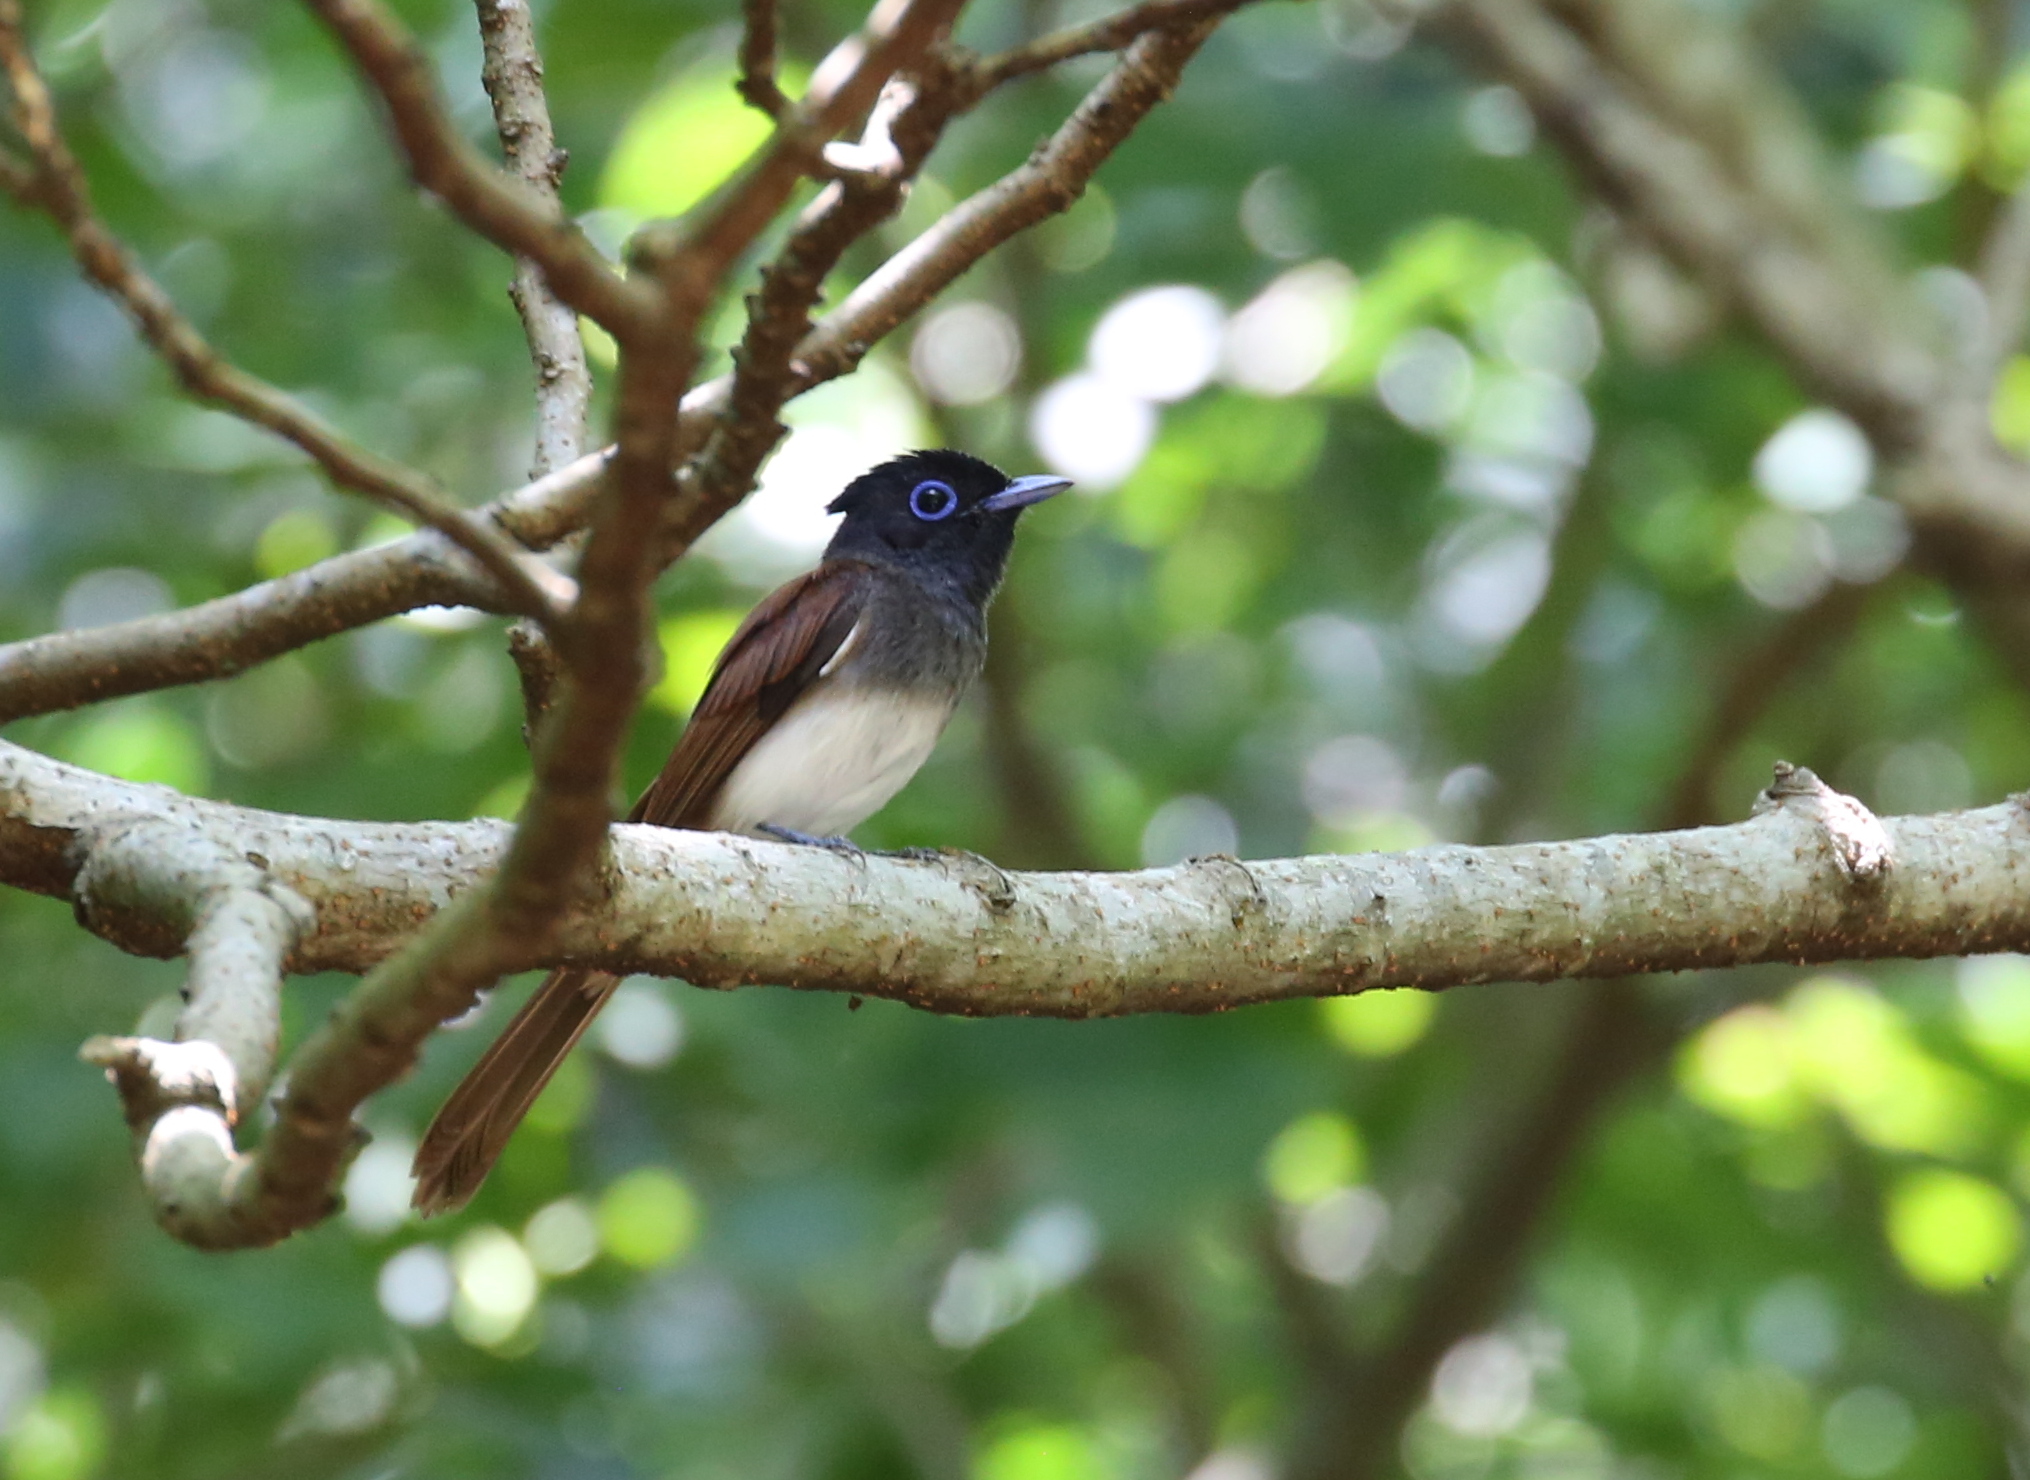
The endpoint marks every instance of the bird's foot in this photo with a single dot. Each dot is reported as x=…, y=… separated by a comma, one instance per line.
x=832, y=844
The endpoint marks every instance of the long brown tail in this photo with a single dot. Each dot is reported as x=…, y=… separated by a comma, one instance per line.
x=472, y=1129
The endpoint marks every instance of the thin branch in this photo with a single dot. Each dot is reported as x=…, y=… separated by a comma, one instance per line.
x=230, y=634
x=58, y=188
x=691, y=256
x=900, y=134
x=757, y=82
x=513, y=75
x=1109, y=33
x=1762, y=674
x=492, y=203
x=536, y=666
x=225, y=636
x=1048, y=182
x=17, y=178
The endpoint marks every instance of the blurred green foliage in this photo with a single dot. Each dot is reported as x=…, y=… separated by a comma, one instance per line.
x=1456, y=511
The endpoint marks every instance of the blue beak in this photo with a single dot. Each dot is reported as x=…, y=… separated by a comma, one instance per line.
x=1023, y=492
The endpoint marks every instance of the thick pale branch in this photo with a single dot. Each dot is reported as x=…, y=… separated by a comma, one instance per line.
x=57, y=187
x=959, y=936
x=183, y=1097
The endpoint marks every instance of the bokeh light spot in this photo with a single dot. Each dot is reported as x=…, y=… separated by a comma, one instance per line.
x=1312, y=1156
x=1042, y=1452
x=1952, y=1231
x=691, y=645
x=647, y=1219
x=1376, y=1024
x=1159, y=344
x=497, y=1286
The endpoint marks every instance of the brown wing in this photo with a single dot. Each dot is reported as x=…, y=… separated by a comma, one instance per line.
x=776, y=655
x=779, y=650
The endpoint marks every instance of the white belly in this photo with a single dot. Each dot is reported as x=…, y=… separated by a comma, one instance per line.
x=831, y=762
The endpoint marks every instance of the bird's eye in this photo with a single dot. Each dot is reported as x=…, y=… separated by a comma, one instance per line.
x=932, y=500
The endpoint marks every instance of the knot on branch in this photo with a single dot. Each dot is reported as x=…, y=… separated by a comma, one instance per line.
x=1856, y=836
x=1239, y=905
x=155, y=1077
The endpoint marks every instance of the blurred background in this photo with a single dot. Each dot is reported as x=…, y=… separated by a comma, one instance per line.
x=1416, y=501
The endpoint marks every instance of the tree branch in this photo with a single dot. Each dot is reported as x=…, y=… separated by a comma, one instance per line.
x=226, y=636
x=496, y=205
x=947, y=935
x=1109, y=33
x=1839, y=334
x=57, y=187
x=757, y=59
x=720, y=910
x=513, y=75
x=1794, y=645
x=230, y=634
x=184, y=1097
x=691, y=256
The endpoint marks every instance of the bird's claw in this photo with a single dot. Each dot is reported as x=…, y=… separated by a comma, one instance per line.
x=832, y=844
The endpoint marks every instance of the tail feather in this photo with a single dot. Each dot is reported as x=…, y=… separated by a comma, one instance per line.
x=473, y=1128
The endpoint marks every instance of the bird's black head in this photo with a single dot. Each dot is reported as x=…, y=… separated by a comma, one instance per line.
x=940, y=512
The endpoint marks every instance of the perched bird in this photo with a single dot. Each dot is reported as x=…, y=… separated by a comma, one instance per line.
x=822, y=706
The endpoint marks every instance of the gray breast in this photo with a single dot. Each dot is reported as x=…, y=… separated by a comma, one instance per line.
x=870, y=720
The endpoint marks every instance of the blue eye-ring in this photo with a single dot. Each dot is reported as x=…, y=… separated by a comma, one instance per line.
x=932, y=500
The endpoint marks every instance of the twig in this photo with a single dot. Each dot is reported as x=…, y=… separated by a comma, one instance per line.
x=492, y=203
x=1761, y=675
x=1048, y=182
x=58, y=188
x=1109, y=33
x=757, y=59
x=535, y=663
x=230, y=634
x=689, y=257
x=513, y=74
x=17, y=178
x=904, y=127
